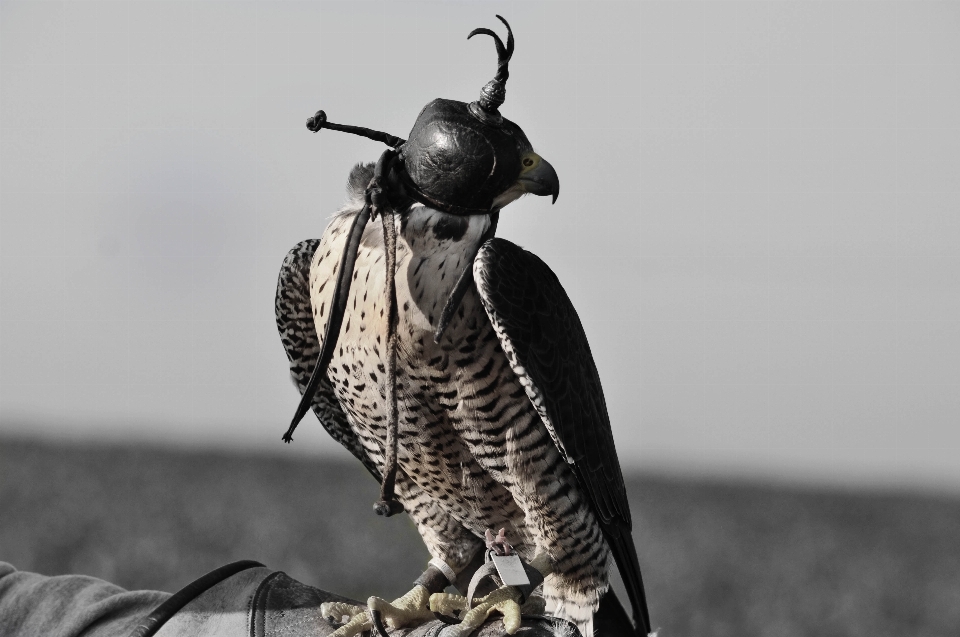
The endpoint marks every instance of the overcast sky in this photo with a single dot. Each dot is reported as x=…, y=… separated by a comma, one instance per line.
x=758, y=219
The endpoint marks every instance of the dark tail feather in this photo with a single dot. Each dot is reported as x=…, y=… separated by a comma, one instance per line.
x=625, y=554
x=611, y=620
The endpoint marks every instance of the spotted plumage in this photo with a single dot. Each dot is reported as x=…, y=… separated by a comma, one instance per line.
x=495, y=431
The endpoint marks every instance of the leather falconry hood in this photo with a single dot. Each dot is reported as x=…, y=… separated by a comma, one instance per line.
x=459, y=156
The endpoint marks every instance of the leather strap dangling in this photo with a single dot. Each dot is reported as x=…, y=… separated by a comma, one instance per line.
x=341, y=293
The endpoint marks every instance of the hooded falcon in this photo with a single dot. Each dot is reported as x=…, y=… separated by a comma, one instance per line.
x=453, y=365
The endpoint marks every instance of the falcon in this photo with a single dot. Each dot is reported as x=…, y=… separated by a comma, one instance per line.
x=453, y=365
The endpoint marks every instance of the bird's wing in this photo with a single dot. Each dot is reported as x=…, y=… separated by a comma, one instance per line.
x=298, y=332
x=544, y=340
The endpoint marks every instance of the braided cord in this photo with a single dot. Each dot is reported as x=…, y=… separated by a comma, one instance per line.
x=388, y=502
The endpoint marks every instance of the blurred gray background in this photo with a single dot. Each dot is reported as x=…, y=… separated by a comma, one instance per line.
x=757, y=222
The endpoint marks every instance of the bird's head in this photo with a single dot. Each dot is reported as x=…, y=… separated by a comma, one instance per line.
x=468, y=158
x=465, y=159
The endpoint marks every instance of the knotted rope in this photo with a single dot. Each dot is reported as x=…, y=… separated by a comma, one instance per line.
x=388, y=504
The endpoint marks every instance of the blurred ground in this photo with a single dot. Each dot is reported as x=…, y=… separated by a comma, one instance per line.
x=718, y=559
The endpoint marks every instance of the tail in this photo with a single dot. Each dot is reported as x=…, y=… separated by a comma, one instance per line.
x=611, y=620
x=625, y=554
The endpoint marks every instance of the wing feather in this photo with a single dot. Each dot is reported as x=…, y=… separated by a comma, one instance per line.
x=547, y=347
x=298, y=332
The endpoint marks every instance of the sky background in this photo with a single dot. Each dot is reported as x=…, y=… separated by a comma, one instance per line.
x=758, y=219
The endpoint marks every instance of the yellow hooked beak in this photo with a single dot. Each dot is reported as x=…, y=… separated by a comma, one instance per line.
x=538, y=177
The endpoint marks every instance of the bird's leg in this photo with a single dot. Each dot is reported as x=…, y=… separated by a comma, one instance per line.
x=510, y=601
x=411, y=609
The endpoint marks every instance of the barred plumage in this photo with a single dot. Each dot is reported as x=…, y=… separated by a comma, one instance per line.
x=481, y=443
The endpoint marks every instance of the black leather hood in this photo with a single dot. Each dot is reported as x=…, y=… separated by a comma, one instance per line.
x=453, y=156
